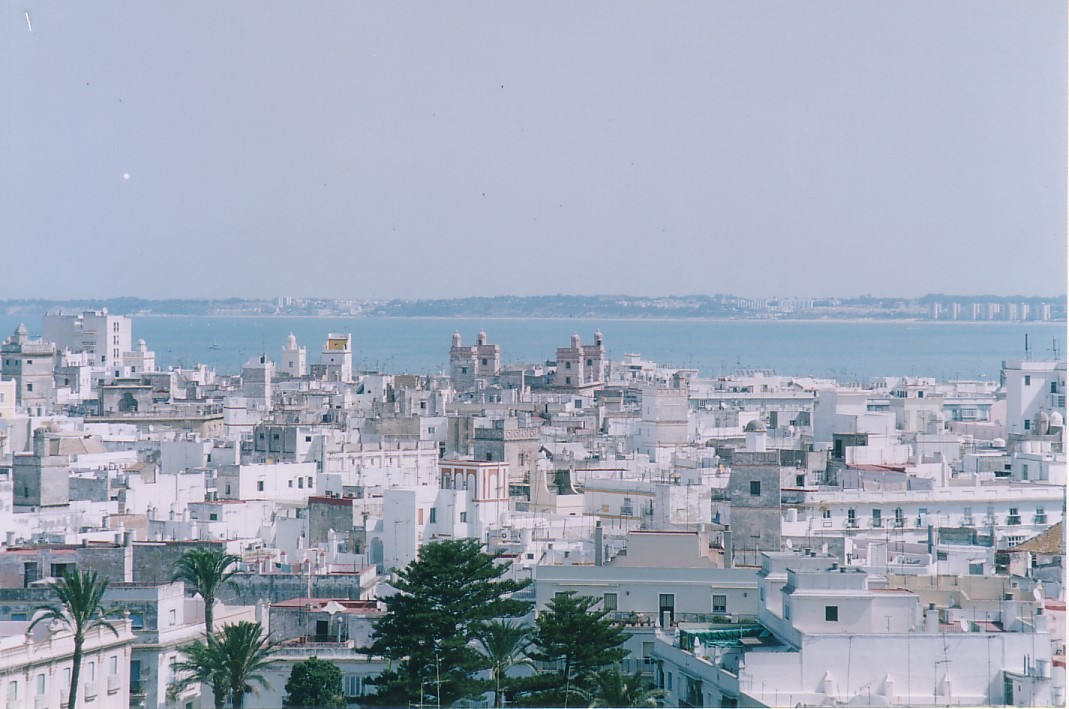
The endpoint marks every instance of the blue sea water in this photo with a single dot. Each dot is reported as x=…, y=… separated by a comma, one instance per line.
x=850, y=351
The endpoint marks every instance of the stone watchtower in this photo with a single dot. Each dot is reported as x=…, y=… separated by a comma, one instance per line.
x=40, y=478
x=468, y=364
x=580, y=366
x=30, y=364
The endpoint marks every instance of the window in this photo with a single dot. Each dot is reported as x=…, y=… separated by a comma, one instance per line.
x=300, y=483
x=590, y=363
x=567, y=380
x=786, y=611
x=484, y=361
x=1013, y=517
x=567, y=365
x=463, y=516
x=259, y=486
x=831, y=614
x=214, y=516
x=91, y=672
x=172, y=617
x=609, y=602
x=434, y=515
x=1041, y=515
x=113, y=664
x=877, y=519
x=720, y=604
x=900, y=519
x=799, y=480
x=115, y=327
x=755, y=488
x=40, y=684
x=353, y=685
x=825, y=513
x=137, y=621
x=310, y=485
x=1054, y=387
x=1027, y=424
x=1028, y=380
x=29, y=387
x=307, y=439
x=851, y=518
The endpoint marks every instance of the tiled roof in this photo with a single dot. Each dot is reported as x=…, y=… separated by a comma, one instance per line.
x=1051, y=541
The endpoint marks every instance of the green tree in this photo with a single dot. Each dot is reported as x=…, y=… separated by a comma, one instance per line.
x=444, y=597
x=201, y=666
x=315, y=683
x=612, y=688
x=504, y=644
x=80, y=609
x=231, y=662
x=578, y=639
x=205, y=570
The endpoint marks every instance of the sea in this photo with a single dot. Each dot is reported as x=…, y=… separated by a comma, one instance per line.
x=848, y=351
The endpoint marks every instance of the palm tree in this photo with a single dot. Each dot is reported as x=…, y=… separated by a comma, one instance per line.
x=231, y=663
x=80, y=609
x=205, y=571
x=504, y=644
x=612, y=688
x=201, y=666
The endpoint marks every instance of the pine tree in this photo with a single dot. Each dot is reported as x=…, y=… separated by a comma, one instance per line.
x=579, y=640
x=429, y=627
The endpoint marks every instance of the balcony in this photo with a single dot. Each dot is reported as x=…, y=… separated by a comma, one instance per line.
x=89, y=690
x=1013, y=519
x=851, y=524
x=899, y=522
x=877, y=523
x=1039, y=519
x=968, y=521
x=114, y=684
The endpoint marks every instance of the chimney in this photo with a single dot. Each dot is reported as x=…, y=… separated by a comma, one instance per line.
x=729, y=553
x=1008, y=612
x=1040, y=622
x=599, y=544
x=931, y=619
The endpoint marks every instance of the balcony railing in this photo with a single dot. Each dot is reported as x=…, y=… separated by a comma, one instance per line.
x=1013, y=519
x=877, y=522
x=1040, y=519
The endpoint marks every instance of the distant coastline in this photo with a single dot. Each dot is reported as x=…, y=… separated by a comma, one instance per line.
x=692, y=308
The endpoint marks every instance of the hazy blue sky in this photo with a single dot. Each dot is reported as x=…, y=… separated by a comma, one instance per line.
x=349, y=149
